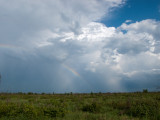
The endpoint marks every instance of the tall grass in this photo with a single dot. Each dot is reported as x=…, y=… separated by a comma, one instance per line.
x=95, y=106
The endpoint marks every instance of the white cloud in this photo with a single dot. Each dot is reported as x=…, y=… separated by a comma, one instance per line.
x=112, y=54
x=47, y=35
x=128, y=21
x=25, y=23
x=96, y=32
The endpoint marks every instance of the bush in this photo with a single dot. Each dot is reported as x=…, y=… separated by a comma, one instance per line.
x=139, y=108
x=8, y=110
x=93, y=108
x=51, y=111
x=54, y=108
x=13, y=110
x=147, y=109
x=28, y=110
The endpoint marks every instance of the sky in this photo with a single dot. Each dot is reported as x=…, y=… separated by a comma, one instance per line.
x=79, y=45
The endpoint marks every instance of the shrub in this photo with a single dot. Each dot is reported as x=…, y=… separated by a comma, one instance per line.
x=28, y=110
x=8, y=109
x=52, y=111
x=147, y=109
x=55, y=108
x=139, y=108
x=93, y=108
x=13, y=110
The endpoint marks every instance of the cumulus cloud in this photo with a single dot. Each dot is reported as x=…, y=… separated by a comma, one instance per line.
x=60, y=46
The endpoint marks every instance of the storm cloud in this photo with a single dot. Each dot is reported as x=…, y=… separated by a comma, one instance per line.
x=60, y=46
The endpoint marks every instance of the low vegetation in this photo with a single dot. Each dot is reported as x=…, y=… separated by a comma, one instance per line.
x=94, y=106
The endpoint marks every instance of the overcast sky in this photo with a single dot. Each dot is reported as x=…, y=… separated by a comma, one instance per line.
x=79, y=45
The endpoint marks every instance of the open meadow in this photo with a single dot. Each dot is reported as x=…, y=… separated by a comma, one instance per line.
x=69, y=106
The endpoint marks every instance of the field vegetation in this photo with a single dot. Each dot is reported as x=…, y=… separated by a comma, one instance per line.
x=94, y=106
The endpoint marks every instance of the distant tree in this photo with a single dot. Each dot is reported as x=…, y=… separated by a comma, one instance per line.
x=145, y=91
x=42, y=93
x=91, y=93
x=30, y=93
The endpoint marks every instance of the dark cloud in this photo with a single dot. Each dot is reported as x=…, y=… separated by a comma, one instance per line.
x=56, y=47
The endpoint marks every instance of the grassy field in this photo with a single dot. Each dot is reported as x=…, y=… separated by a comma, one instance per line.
x=93, y=106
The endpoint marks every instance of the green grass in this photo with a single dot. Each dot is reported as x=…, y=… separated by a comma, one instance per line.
x=95, y=106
